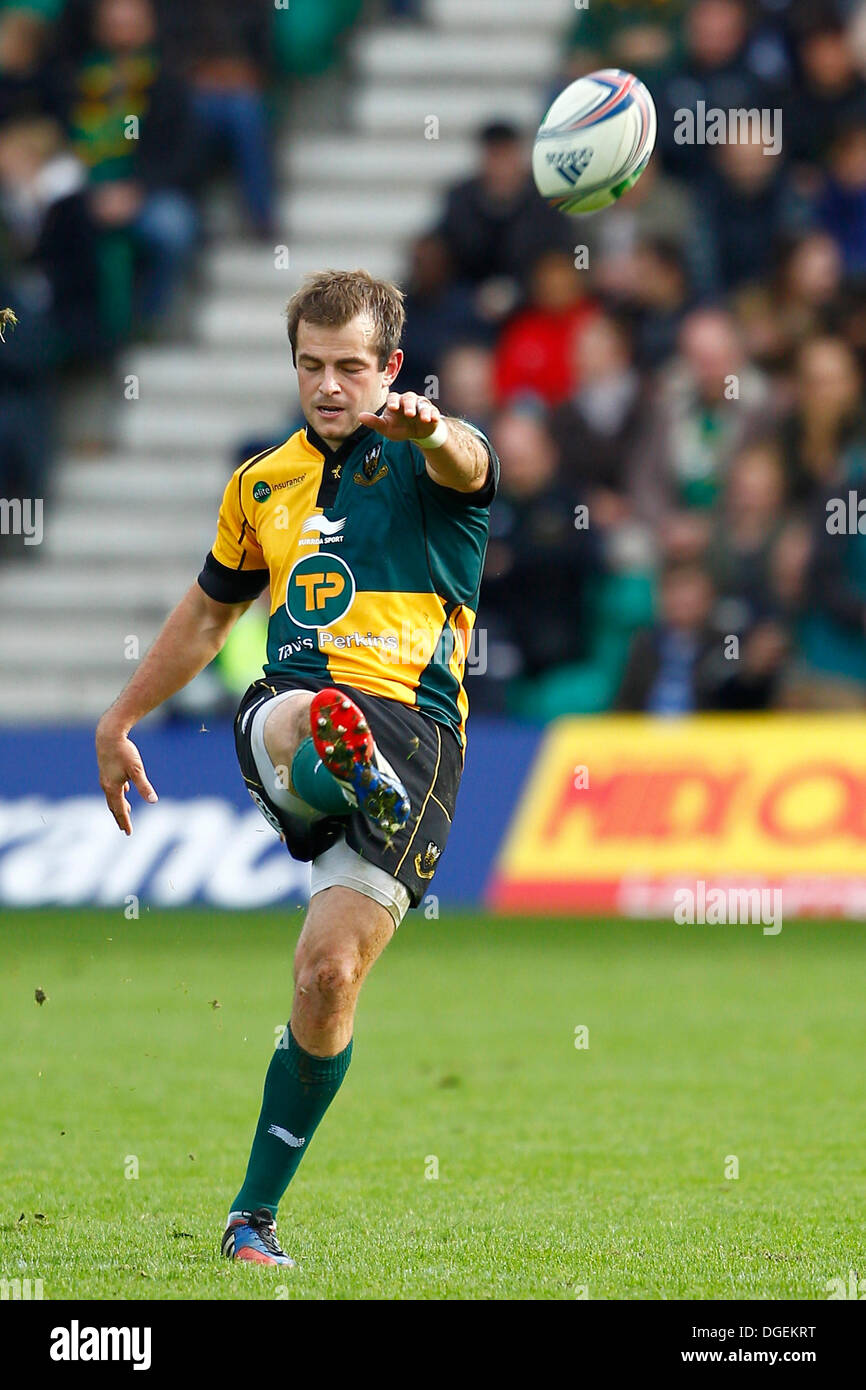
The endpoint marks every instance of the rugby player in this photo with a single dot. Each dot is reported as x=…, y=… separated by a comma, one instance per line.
x=370, y=525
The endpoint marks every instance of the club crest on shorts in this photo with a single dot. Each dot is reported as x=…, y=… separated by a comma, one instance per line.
x=371, y=472
x=425, y=863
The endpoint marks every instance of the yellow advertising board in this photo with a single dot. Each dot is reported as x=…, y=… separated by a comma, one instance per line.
x=619, y=812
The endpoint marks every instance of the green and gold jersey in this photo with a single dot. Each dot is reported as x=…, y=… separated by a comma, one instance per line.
x=374, y=568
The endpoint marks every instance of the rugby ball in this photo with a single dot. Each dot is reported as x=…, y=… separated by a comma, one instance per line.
x=595, y=141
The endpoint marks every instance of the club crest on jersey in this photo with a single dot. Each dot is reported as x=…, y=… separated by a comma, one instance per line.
x=425, y=863
x=571, y=164
x=371, y=472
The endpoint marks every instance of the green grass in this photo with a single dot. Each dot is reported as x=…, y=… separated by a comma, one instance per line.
x=558, y=1167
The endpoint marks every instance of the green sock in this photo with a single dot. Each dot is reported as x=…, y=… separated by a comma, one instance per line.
x=315, y=784
x=298, y=1090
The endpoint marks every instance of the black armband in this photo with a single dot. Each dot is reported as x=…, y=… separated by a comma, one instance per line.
x=231, y=586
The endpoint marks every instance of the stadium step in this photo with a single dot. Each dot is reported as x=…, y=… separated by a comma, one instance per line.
x=188, y=428
x=126, y=536
x=460, y=110
x=490, y=57
x=75, y=586
x=256, y=378
x=496, y=16
x=71, y=701
x=323, y=160
x=136, y=481
x=249, y=273
x=64, y=646
x=228, y=320
x=399, y=213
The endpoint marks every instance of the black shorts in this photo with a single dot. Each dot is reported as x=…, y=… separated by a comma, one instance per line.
x=425, y=755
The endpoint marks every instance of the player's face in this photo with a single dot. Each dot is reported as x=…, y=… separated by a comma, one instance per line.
x=339, y=376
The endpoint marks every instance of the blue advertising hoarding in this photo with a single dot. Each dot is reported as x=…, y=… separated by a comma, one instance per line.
x=204, y=842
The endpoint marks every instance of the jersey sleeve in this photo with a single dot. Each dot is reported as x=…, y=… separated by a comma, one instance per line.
x=235, y=569
x=450, y=496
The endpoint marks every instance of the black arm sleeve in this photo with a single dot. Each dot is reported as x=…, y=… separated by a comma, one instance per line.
x=231, y=586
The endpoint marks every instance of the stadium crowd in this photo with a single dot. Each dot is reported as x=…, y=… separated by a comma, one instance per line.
x=114, y=114
x=674, y=386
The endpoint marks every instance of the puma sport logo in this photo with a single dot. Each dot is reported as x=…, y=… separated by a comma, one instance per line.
x=286, y=1136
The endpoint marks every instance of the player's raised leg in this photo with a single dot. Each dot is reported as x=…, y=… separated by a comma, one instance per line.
x=297, y=767
x=322, y=750
x=344, y=933
x=342, y=739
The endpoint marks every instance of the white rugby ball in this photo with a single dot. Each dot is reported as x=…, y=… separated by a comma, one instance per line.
x=595, y=141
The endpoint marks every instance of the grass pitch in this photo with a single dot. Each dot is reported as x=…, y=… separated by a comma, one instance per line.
x=560, y=1169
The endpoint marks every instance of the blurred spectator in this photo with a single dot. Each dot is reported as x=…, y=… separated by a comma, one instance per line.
x=831, y=671
x=857, y=35
x=795, y=303
x=715, y=70
x=849, y=318
x=466, y=383
x=842, y=206
x=656, y=209
x=30, y=81
x=745, y=205
x=307, y=33
x=826, y=419
x=657, y=299
x=597, y=427
x=537, y=352
x=223, y=49
x=710, y=401
x=537, y=561
x=27, y=359
x=746, y=533
x=680, y=664
x=439, y=312
x=50, y=236
x=496, y=226
x=641, y=36
x=138, y=184
x=828, y=91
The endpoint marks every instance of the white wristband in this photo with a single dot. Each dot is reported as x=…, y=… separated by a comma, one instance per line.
x=434, y=440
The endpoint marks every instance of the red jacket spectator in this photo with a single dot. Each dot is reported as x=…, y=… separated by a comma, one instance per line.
x=536, y=352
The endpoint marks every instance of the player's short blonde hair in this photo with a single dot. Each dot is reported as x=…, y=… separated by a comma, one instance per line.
x=335, y=297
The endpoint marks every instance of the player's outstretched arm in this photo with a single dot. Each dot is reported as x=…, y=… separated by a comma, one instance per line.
x=191, y=637
x=460, y=462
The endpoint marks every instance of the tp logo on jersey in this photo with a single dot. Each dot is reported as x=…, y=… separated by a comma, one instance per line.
x=320, y=590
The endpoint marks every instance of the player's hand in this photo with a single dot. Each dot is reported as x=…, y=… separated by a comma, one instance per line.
x=405, y=417
x=119, y=765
